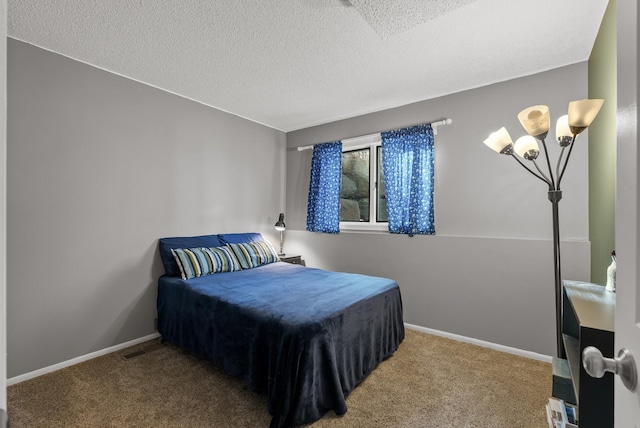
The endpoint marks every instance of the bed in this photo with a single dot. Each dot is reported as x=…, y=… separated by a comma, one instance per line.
x=306, y=337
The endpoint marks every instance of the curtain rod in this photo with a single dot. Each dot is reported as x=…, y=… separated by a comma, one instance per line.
x=434, y=125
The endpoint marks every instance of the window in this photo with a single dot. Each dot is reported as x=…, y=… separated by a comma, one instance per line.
x=362, y=194
x=347, y=189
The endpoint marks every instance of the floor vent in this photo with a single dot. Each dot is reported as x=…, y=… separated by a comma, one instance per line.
x=134, y=354
x=143, y=351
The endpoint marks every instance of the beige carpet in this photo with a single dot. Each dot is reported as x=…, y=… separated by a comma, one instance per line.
x=429, y=382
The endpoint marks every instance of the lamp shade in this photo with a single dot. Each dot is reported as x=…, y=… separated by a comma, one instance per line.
x=535, y=120
x=563, y=131
x=582, y=113
x=500, y=141
x=280, y=224
x=527, y=147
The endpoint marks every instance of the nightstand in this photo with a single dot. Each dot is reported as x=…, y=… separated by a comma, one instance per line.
x=295, y=259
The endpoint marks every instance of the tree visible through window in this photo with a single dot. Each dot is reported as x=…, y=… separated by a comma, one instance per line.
x=362, y=199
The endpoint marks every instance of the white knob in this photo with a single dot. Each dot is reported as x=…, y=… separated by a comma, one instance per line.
x=623, y=365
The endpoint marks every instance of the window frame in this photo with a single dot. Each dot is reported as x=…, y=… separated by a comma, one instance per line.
x=370, y=142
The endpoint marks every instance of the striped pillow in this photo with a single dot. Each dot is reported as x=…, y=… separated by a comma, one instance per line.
x=195, y=262
x=254, y=254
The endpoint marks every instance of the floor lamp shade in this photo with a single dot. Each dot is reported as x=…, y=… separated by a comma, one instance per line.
x=582, y=113
x=500, y=141
x=535, y=120
x=563, y=131
x=527, y=147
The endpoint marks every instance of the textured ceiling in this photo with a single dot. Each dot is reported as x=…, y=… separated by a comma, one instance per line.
x=291, y=64
x=389, y=18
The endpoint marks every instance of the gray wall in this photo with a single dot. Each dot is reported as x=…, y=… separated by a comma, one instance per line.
x=99, y=168
x=488, y=273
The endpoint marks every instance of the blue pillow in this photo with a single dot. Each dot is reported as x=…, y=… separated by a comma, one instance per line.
x=239, y=238
x=168, y=244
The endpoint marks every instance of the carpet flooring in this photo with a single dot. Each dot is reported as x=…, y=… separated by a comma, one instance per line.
x=429, y=382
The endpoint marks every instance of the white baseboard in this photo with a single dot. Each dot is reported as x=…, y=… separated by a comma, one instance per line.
x=497, y=347
x=77, y=360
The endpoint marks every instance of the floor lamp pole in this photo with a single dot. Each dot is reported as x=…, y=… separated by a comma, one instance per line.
x=554, y=197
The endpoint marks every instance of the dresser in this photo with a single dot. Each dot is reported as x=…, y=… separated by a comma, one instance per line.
x=588, y=320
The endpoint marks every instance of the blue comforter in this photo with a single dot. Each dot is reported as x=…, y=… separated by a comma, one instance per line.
x=304, y=336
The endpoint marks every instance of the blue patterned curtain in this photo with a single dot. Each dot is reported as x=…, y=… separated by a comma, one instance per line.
x=323, y=209
x=407, y=164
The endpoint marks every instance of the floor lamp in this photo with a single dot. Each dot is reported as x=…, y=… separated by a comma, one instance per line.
x=535, y=120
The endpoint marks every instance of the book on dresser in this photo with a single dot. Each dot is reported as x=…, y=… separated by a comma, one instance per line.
x=560, y=414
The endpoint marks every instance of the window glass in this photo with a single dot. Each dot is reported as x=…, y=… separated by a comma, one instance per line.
x=354, y=193
x=381, y=199
x=362, y=193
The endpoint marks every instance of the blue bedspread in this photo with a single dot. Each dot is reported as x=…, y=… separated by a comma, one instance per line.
x=304, y=336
